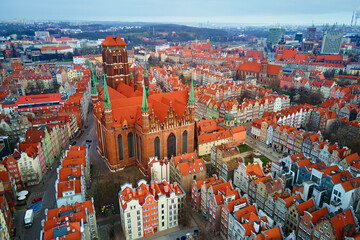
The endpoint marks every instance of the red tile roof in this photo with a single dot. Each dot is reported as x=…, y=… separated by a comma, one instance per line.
x=341, y=220
x=214, y=136
x=290, y=200
x=305, y=206
x=189, y=163
x=318, y=214
x=71, y=185
x=110, y=41
x=351, y=184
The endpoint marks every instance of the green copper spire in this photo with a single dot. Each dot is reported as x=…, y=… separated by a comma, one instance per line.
x=145, y=71
x=93, y=84
x=93, y=74
x=146, y=81
x=107, y=103
x=191, y=97
x=145, y=106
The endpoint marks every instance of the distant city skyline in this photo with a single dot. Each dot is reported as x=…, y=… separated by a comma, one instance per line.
x=185, y=11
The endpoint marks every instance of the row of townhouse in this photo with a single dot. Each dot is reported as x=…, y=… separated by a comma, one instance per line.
x=283, y=134
x=258, y=186
x=6, y=221
x=150, y=208
x=226, y=91
x=342, y=109
x=329, y=185
x=322, y=86
x=40, y=148
x=317, y=192
x=207, y=77
x=229, y=213
x=303, y=189
x=223, y=98
x=249, y=110
x=246, y=222
x=346, y=92
x=315, y=119
x=16, y=125
x=294, y=117
x=71, y=185
x=74, y=217
x=77, y=105
x=7, y=204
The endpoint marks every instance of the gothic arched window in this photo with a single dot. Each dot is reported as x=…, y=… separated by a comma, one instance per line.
x=185, y=141
x=137, y=146
x=140, y=150
x=130, y=139
x=120, y=146
x=171, y=145
x=157, y=147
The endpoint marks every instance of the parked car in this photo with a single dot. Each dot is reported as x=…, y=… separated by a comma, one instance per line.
x=29, y=218
x=37, y=199
x=74, y=143
x=88, y=140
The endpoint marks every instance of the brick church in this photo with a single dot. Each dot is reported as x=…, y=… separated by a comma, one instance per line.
x=264, y=72
x=133, y=124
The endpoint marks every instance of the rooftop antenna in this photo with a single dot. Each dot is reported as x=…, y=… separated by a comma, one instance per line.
x=352, y=18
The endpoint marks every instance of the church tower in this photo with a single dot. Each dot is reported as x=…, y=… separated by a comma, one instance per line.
x=115, y=61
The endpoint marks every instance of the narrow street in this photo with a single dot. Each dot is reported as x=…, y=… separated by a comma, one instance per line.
x=47, y=189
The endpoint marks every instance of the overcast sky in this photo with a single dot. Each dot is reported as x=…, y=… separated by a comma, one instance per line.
x=220, y=11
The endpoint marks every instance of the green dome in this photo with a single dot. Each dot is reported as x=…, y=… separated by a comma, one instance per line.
x=229, y=117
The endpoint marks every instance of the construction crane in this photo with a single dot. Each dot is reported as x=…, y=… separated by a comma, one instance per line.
x=355, y=17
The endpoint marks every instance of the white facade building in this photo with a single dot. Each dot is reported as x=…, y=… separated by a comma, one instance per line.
x=149, y=208
x=29, y=168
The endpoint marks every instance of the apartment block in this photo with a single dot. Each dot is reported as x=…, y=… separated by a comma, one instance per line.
x=150, y=208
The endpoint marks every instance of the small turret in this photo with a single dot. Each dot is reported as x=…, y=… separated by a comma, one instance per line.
x=94, y=92
x=107, y=111
x=191, y=101
x=146, y=80
x=107, y=104
x=191, y=95
x=145, y=113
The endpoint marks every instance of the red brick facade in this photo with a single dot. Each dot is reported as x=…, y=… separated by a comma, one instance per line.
x=167, y=114
x=264, y=73
x=115, y=61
